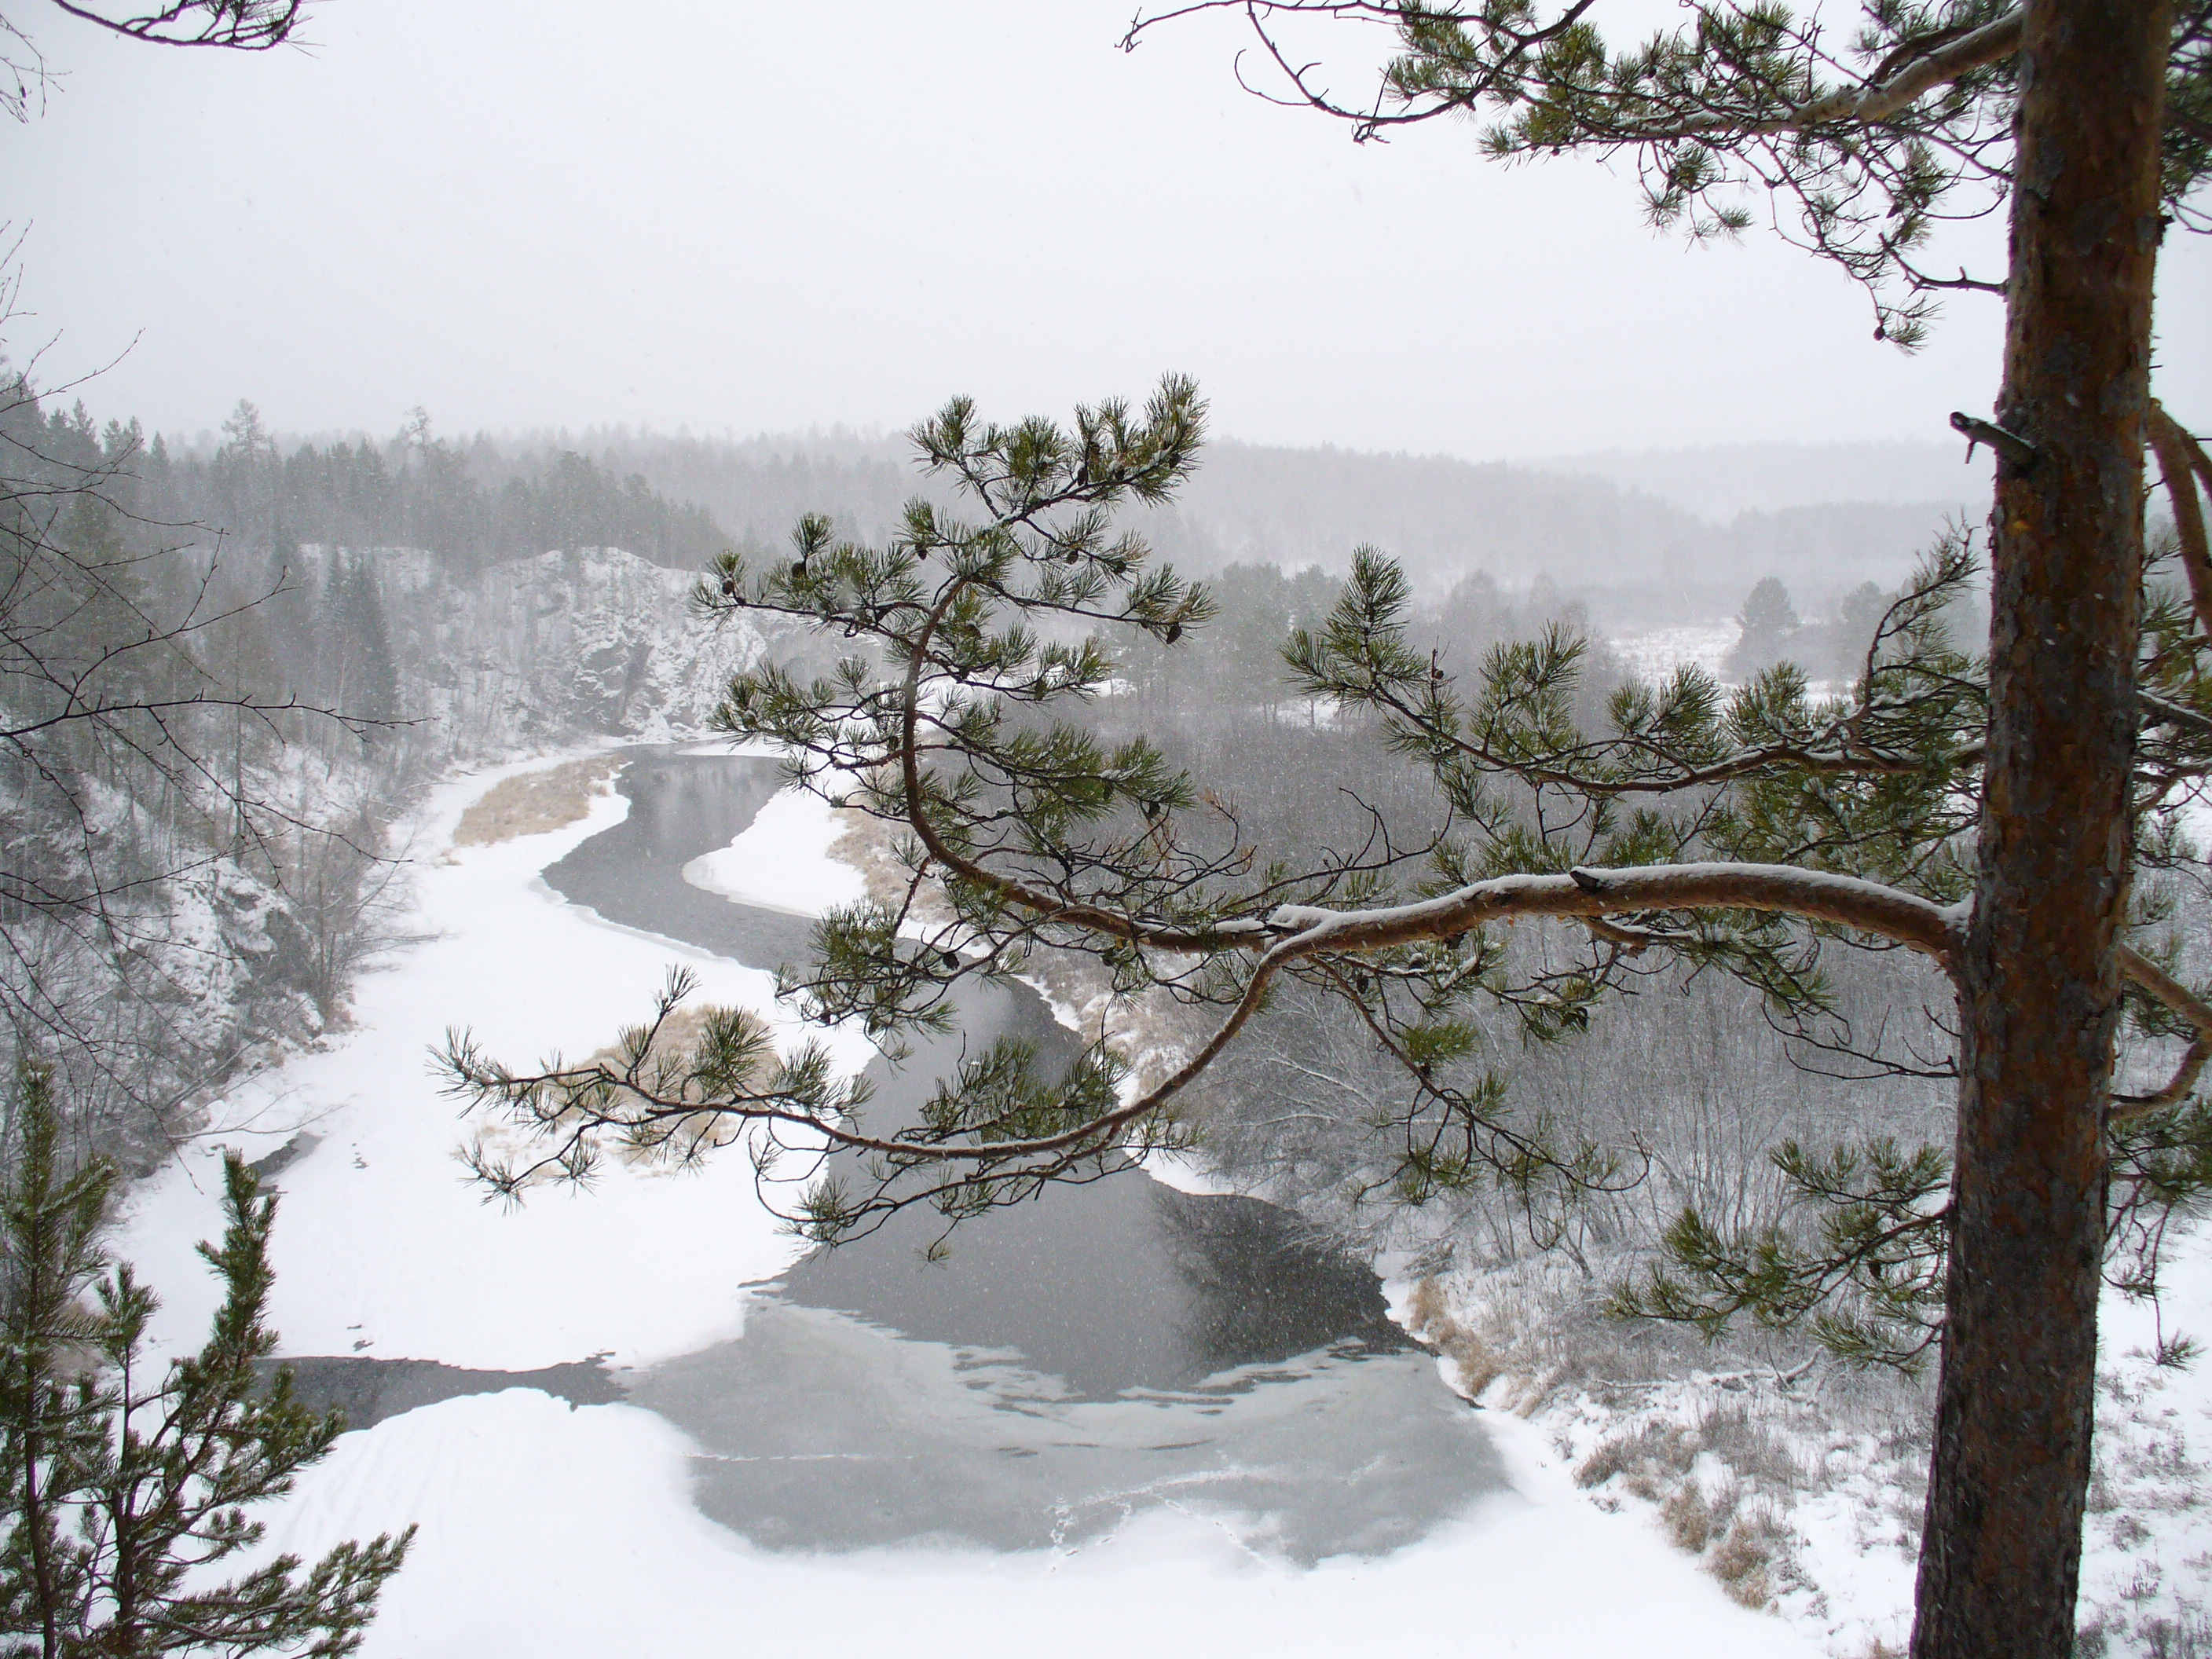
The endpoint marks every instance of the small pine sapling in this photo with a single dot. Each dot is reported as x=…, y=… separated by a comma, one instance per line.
x=123, y=1492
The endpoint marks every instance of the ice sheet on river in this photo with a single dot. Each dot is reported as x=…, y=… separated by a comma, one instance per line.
x=818, y=1431
x=1098, y=1350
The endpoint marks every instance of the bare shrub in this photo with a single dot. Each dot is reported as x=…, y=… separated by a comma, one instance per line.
x=1751, y=1448
x=2187, y=1638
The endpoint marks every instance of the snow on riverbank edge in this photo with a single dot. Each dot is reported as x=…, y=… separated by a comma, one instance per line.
x=781, y=861
x=382, y=1246
x=1804, y=1495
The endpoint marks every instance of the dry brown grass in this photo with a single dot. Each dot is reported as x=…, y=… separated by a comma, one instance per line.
x=1744, y=1561
x=669, y=1144
x=1688, y=1518
x=1744, y=1544
x=1650, y=1461
x=674, y=1139
x=1428, y=1316
x=1532, y=1333
x=1713, y=1439
x=867, y=844
x=535, y=802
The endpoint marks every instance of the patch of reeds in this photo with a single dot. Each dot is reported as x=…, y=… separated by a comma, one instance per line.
x=535, y=802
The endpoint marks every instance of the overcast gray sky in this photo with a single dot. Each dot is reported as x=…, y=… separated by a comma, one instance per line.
x=752, y=215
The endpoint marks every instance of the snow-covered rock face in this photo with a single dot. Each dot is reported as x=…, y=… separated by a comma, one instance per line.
x=225, y=948
x=596, y=641
x=605, y=638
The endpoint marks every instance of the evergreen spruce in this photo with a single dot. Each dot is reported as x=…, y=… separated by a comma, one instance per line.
x=1768, y=621
x=124, y=1490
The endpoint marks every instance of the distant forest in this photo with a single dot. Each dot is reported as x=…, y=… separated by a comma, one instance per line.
x=1630, y=559
x=1633, y=559
x=472, y=505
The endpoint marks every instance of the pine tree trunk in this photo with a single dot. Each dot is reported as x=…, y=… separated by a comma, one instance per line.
x=2000, y=1556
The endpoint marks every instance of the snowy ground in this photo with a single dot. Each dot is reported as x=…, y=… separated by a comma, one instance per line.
x=549, y=1530
x=1806, y=1495
x=2147, y=1550
x=1656, y=654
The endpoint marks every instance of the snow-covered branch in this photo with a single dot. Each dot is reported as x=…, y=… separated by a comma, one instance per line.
x=1812, y=894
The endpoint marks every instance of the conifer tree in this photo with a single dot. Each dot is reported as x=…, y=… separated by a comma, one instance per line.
x=122, y=1489
x=1767, y=621
x=1987, y=811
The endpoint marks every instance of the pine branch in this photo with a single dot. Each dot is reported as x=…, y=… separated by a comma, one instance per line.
x=1844, y=819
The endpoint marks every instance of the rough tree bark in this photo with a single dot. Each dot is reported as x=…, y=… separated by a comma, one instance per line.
x=2041, y=975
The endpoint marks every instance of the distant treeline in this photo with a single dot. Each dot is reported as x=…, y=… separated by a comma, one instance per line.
x=1634, y=560
x=471, y=505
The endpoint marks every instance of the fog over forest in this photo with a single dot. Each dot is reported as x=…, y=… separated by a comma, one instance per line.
x=1646, y=540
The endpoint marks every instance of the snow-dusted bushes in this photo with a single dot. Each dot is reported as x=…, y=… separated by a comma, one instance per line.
x=192, y=937
x=212, y=728
x=179, y=868
x=1686, y=1081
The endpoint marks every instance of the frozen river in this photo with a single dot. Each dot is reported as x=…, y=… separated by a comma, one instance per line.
x=1126, y=1419
x=1105, y=1349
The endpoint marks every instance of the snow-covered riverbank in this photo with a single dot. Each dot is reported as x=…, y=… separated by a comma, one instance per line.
x=552, y=1530
x=384, y=1248
x=1803, y=1489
